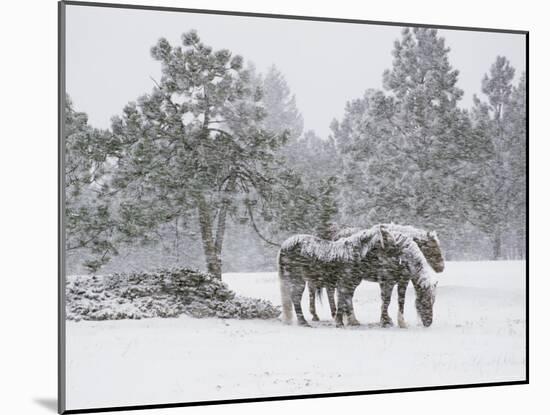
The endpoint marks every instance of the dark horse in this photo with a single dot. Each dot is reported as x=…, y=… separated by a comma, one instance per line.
x=344, y=263
x=428, y=243
x=411, y=265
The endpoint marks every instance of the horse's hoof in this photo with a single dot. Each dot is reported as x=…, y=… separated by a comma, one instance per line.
x=315, y=318
x=354, y=323
x=386, y=323
x=402, y=324
x=401, y=321
x=303, y=324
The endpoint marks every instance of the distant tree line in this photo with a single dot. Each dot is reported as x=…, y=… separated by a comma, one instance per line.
x=213, y=168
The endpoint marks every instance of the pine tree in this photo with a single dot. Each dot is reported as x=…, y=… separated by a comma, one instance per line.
x=313, y=159
x=431, y=147
x=196, y=147
x=282, y=114
x=516, y=114
x=88, y=222
x=501, y=120
x=359, y=138
x=327, y=208
x=411, y=155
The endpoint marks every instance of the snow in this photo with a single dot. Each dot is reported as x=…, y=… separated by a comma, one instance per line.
x=478, y=335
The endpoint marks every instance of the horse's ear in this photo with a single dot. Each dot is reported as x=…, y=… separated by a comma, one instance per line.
x=432, y=234
x=382, y=231
x=387, y=237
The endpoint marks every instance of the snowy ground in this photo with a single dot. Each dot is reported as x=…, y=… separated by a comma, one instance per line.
x=478, y=335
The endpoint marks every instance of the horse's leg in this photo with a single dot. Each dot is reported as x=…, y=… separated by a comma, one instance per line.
x=345, y=306
x=401, y=291
x=312, y=287
x=352, y=320
x=331, y=289
x=385, y=292
x=339, y=317
x=298, y=285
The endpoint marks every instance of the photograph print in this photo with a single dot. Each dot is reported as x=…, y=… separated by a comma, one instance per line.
x=258, y=207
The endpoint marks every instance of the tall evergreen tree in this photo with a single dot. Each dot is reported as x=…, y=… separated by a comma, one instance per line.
x=328, y=208
x=313, y=159
x=516, y=114
x=359, y=138
x=89, y=224
x=431, y=148
x=282, y=114
x=501, y=120
x=411, y=154
x=196, y=146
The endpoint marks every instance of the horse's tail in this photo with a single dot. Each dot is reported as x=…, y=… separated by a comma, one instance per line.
x=284, y=282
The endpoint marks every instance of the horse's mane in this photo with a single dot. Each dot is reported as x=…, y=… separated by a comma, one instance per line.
x=345, y=232
x=344, y=249
x=413, y=256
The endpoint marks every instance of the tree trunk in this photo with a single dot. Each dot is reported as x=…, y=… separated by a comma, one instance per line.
x=220, y=228
x=213, y=260
x=497, y=244
x=221, y=220
x=176, y=243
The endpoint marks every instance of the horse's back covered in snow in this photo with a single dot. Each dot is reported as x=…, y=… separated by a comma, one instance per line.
x=344, y=249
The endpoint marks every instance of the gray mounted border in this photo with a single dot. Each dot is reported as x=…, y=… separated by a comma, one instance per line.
x=61, y=206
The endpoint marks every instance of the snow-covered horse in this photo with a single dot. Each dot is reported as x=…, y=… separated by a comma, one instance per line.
x=306, y=258
x=411, y=265
x=428, y=243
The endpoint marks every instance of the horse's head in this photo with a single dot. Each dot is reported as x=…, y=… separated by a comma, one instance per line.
x=432, y=251
x=425, y=299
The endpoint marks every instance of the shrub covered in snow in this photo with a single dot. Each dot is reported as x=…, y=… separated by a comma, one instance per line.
x=164, y=293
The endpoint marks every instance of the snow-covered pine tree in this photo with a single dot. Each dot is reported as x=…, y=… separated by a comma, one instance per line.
x=516, y=114
x=318, y=163
x=327, y=208
x=89, y=226
x=313, y=159
x=430, y=151
x=196, y=147
x=501, y=120
x=410, y=153
x=282, y=114
x=283, y=117
x=358, y=137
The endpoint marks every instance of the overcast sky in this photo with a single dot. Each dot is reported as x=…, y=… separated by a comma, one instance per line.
x=325, y=64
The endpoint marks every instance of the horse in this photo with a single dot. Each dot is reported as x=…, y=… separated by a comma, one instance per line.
x=428, y=243
x=411, y=265
x=307, y=258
